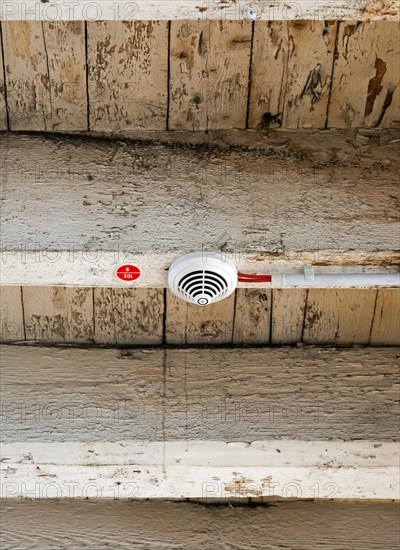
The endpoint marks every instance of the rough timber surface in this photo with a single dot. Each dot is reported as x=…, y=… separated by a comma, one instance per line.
x=61, y=394
x=127, y=75
x=172, y=526
x=45, y=75
x=366, y=80
x=247, y=194
x=208, y=73
x=291, y=73
x=150, y=316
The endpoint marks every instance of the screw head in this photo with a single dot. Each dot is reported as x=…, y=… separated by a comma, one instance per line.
x=251, y=12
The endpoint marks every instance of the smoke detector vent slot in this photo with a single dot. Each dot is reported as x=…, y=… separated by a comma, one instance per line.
x=202, y=278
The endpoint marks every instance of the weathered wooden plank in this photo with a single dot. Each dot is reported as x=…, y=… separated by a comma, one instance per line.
x=338, y=316
x=11, y=314
x=3, y=105
x=109, y=393
x=58, y=314
x=27, y=78
x=235, y=10
x=288, y=306
x=45, y=75
x=65, y=51
x=102, y=201
x=209, y=75
x=220, y=394
x=128, y=316
x=386, y=322
x=252, y=316
x=135, y=316
x=301, y=525
x=291, y=74
x=190, y=324
x=128, y=72
x=365, y=87
x=189, y=469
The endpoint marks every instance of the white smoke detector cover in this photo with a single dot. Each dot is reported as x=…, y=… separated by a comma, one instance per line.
x=202, y=278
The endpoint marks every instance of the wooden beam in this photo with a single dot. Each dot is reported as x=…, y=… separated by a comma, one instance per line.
x=171, y=525
x=202, y=469
x=196, y=423
x=61, y=394
x=75, y=208
x=203, y=10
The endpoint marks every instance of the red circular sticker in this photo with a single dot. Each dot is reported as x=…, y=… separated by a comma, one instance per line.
x=128, y=272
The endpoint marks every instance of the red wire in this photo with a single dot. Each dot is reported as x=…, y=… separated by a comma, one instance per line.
x=254, y=281
x=253, y=278
x=252, y=275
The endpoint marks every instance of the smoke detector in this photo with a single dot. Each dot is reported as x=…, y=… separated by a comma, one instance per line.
x=202, y=278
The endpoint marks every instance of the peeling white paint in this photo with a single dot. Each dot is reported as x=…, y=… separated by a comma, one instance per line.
x=196, y=10
x=201, y=469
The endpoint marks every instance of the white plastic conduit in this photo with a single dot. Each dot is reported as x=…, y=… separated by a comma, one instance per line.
x=356, y=280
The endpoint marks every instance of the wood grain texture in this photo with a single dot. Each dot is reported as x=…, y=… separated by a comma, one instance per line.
x=136, y=316
x=292, y=65
x=190, y=324
x=58, y=314
x=45, y=75
x=209, y=75
x=59, y=394
x=386, y=325
x=153, y=525
x=128, y=71
x=288, y=305
x=11, y=314
x=3, y=105
x=365, y=88
x=153, y=202
x=235, y=10
x=64, y=44
x=182, y=469
x=128, y=316
x=291, y=73
x=252, y=316
x=27, y=78
x=340, y=316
